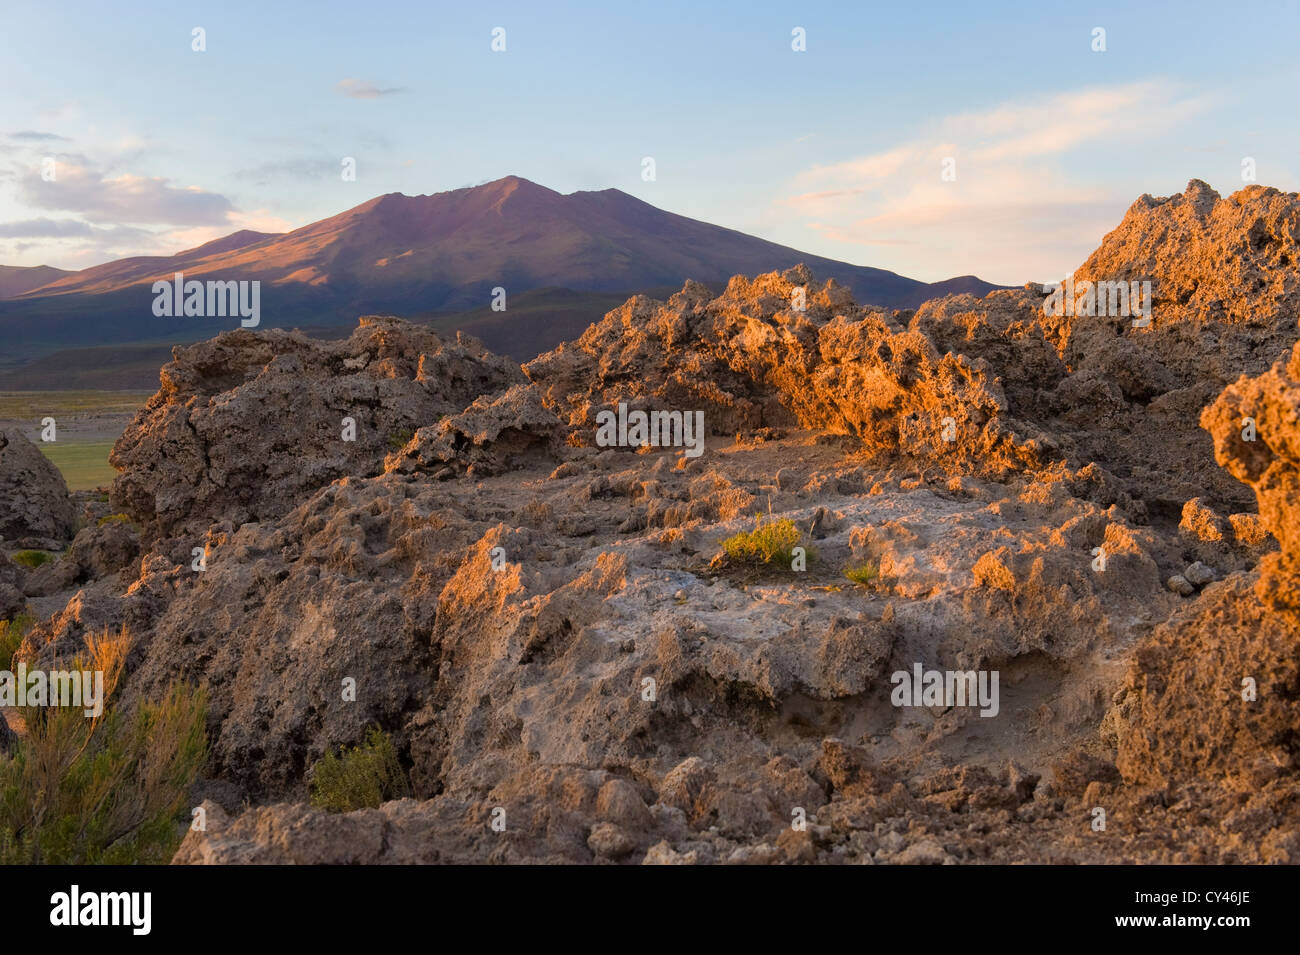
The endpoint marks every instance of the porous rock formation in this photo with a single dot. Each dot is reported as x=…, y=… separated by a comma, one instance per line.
x=34, y=501
x=759, y=357
x=1228, y=665
x=247, y=423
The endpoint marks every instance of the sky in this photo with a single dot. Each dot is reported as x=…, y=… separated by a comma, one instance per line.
x=839, y=149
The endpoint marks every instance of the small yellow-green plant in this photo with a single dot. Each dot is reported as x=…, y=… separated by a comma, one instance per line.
x=864, y=574
x=399, y=439
x=114, y=519
x=362, y=777
x=770, y=542
x=32, y=558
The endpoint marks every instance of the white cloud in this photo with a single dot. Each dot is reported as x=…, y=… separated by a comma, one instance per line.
x=121, y=199
x=105, y=215
x=1013, y=213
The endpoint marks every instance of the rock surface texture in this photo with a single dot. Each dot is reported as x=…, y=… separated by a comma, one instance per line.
x=34, y=500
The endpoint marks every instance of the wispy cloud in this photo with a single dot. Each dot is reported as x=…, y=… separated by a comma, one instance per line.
x=126, y=198
x=1011, y=200
x=44, y=228
x=31, y=135
x=363, y=89
x=300, y=169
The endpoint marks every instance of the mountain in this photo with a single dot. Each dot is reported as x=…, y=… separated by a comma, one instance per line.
x=436, y=254
x=15, y=280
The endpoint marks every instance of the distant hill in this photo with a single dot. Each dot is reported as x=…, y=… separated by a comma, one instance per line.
x=15, y=279
x=438, y=254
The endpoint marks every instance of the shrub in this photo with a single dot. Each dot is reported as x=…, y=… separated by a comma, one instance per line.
x=32, y=558
x=11, y=637
x=399, y=439
x=110, y=789
x=770, y=542
x=114, y=519
x=864, y=574
x=363, y=777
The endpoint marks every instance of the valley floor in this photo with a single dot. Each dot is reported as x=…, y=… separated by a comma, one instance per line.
x=87, y=424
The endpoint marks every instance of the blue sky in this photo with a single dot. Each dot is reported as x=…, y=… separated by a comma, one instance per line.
x=836, y=150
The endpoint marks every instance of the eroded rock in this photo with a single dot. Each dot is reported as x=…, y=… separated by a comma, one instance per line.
x=34, y=500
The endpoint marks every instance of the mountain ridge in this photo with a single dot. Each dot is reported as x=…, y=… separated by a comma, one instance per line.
x=16, y=280
x=438, y=253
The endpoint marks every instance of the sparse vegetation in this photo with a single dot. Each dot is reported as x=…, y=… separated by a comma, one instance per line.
x=770, y=542
x=110, y=789
x=12, y=633
x=34, y=405
x=114, y=519
x=362, y=777
x=32, y=559
x=400, y=438
x=864, y=574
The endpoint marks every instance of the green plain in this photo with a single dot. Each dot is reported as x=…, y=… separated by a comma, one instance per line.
x=84, y=463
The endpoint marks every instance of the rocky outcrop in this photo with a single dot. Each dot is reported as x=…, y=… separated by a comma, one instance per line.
x=34, y=501
x=1127, y=397
x=491, y=435
x=12, y=598
x=1228, y=664
x=97, y=551
x=780, y=351
x=1256, y=428
x=1213, y=260
x=247, y=425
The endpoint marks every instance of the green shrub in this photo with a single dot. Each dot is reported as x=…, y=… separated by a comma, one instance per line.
x=770, y=542
x=32, y=558
x=11, y=637
x=864, y=574
x=399, y=439
x=363, y=777
x=111, y=789
x=114, y=519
